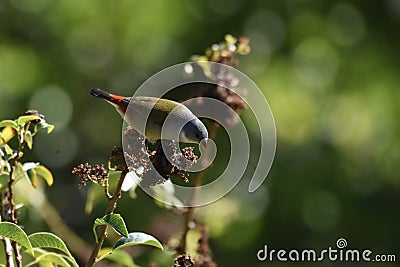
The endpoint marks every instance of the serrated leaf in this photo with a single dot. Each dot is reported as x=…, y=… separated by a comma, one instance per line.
x=48, y=240
x=115, y=221
x=137, y=238
x=45, y=174
x=118, y=256
x=13, y=232
x=8, y=123
x=29, y=139
x=21, y=121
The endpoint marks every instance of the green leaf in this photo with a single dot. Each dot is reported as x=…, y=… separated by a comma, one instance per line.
x=45, y=174
x=13, y=232
x=7, y=134
x=115, y=221
x=9, y=151
x=9, y=123
x=118, y=256
x=21, y=121
x=33, y=178
x=54, y=258
x=29, y=139
x=44, y=261
x=48, y=240
x=43, y=125
x=137, y=239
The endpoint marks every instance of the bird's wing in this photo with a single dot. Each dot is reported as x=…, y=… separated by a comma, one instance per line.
x=154, y=108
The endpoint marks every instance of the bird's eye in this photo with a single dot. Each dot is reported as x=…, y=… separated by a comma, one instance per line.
x=197, y=135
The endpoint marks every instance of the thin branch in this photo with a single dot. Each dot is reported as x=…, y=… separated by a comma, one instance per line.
x=17, y=253
x=189, y=218
x=102, y=229
x=9, y=252
x=10, y=198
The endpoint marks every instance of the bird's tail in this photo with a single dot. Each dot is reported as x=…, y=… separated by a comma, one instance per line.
x=104, y=95
x=114, y=99
x=120, y=102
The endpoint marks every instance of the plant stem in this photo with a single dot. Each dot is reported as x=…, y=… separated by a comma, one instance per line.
x=189, y=218
x=17, y=254
x=10, y=197
x=102, y=229
x=9, y=252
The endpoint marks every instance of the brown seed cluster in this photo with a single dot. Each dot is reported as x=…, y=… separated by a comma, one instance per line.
x=226, y=51
x=87, y=172
x=157, y=168
x=36, y=113
x=184, y=260
x=164, y=168
x=135, y=149
x=226, y=85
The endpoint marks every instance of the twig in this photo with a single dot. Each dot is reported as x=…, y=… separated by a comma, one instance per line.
x=102, y=229
x=17, y=253
x=189, y=218
x=10, y=195
x=10, y=198
x=9, y=252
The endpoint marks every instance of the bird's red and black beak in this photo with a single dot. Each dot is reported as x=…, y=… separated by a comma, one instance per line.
x=120, y=102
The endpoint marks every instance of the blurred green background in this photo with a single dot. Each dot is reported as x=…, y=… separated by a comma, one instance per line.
x=329, y=69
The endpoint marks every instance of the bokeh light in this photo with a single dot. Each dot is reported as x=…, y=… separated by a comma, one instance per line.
x=346, y=24
x=321, y=210
x=55, y=103
x=29, y=6
x=19, y=69
x=315, y=63
x=58, y=149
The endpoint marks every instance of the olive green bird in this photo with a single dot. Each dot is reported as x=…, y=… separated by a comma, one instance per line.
x=157, y=118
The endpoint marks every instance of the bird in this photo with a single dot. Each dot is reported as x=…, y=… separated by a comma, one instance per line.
x=157, y=118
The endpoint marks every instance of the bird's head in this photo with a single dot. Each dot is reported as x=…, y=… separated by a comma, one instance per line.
x=194, y=131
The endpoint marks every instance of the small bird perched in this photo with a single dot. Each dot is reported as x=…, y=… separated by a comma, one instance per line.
x=150, y=114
